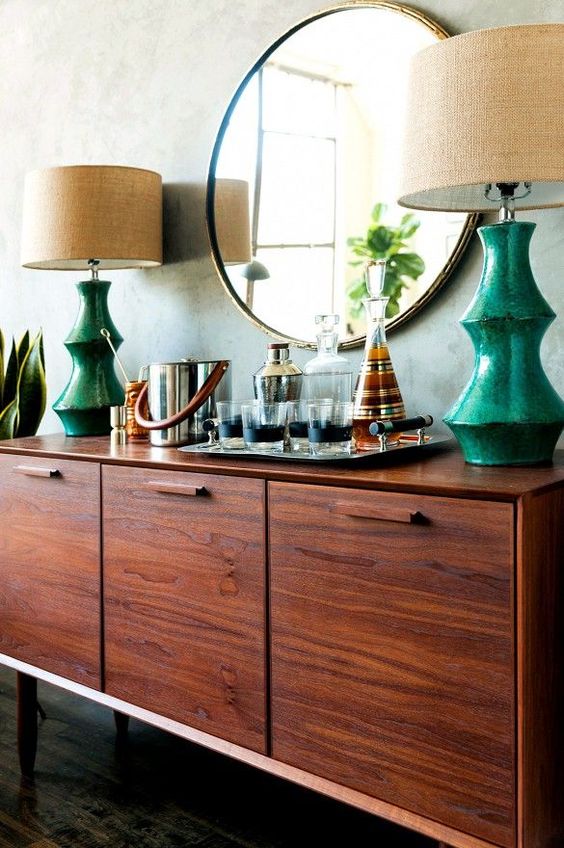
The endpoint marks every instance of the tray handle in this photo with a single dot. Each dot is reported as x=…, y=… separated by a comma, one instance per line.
x=400, y=425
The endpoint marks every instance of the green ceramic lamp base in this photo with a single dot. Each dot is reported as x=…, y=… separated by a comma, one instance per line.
x=508, y=414
x=84, y=405
x=85, y=422
x=506, y=444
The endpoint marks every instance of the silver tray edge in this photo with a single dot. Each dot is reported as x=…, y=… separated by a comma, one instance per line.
x=303, y=457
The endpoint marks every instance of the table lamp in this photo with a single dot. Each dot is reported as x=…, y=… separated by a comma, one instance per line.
x=485, y=129
x=86, y=217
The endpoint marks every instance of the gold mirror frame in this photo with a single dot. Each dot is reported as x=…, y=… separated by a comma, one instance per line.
x=472, y=220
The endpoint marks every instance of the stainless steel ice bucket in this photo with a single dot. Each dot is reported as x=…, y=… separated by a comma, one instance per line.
x=181, y=395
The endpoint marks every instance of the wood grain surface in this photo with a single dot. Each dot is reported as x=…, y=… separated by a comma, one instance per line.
x=158, y=791
x=184, y=600
x=319, y=785
x=540, y=669
x=434, y=471
x=409, y=678
x=50, y=568
x=392, y=651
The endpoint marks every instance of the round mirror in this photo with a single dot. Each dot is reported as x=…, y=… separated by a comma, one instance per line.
x=304, y=175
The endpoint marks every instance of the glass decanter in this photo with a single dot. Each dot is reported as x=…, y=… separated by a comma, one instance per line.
x=327, y=375
x=377, y=395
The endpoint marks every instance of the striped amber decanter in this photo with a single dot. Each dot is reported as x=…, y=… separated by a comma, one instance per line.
x=377, y=395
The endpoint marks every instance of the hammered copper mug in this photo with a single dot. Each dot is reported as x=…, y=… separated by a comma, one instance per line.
x=135, y=432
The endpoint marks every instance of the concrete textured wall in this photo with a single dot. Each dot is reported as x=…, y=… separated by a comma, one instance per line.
x=146, y=83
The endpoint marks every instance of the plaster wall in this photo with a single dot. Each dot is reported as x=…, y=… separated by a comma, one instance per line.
x=146, y=83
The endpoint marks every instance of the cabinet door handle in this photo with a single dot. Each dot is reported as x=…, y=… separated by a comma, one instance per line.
x=176, y=489
x=35, y=471
x=398, y=515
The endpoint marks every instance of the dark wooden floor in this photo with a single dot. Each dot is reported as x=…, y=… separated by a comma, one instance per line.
x=156, y=792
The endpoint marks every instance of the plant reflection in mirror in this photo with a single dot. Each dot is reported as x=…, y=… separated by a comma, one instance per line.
x=392, y=244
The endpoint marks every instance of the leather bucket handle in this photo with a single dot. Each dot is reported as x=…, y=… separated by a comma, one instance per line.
x=197, y=401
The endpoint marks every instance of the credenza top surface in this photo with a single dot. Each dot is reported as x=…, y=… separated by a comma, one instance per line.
x=438, y=471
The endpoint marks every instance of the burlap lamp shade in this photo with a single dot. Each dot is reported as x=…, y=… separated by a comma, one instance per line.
x=106, y=212
x=232, y=225
x=78, y=218
x=485, y=128
x=486, y=107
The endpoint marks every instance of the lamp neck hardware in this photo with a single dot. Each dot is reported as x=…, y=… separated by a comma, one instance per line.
x=505, y=195
x=93, y=263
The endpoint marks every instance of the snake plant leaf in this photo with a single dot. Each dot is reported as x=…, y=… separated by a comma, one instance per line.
x=9, y=420
x=23, y=347
x=1, y=368
x=32, y=390
x=11, y=379
x=42, y=348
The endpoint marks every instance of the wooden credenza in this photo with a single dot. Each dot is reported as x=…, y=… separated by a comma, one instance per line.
x=391, y=636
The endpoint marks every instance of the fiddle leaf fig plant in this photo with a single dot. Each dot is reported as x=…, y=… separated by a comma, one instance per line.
x=390, y=243
x=23, y=389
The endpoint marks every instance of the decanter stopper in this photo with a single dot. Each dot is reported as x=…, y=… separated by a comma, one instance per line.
x=375, y=275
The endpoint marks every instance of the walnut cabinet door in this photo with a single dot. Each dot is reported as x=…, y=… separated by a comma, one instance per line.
x=50, y=565
x=392, y=649
x=184, y=598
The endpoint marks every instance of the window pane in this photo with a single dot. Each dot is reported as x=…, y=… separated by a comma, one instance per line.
x=294, y=103
x=299, y=287
x=238, y=154
x=297, y=202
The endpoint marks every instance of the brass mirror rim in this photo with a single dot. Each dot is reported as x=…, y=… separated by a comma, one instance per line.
x=470, y=225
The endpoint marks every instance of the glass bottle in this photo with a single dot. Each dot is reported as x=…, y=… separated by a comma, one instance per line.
x=377, y=395
x=327, y=375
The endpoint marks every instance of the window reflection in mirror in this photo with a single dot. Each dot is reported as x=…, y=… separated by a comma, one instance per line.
x=317, y=135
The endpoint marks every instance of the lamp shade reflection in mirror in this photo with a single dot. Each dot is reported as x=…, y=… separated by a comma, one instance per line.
x=315, y=131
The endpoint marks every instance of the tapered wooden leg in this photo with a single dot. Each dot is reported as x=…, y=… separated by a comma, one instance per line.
x=122, y=723
x=27, y=722
x=442, y=845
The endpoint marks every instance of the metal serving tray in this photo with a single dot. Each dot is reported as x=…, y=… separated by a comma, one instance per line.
x=407, y=445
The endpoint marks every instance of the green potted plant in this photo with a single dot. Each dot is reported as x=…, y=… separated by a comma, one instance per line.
x=389, y=243
x=23, y=389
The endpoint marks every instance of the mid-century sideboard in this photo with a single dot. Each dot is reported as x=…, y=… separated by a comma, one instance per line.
x=390, y=636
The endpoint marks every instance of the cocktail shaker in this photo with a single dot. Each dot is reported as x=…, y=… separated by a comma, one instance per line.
x=279, y=379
